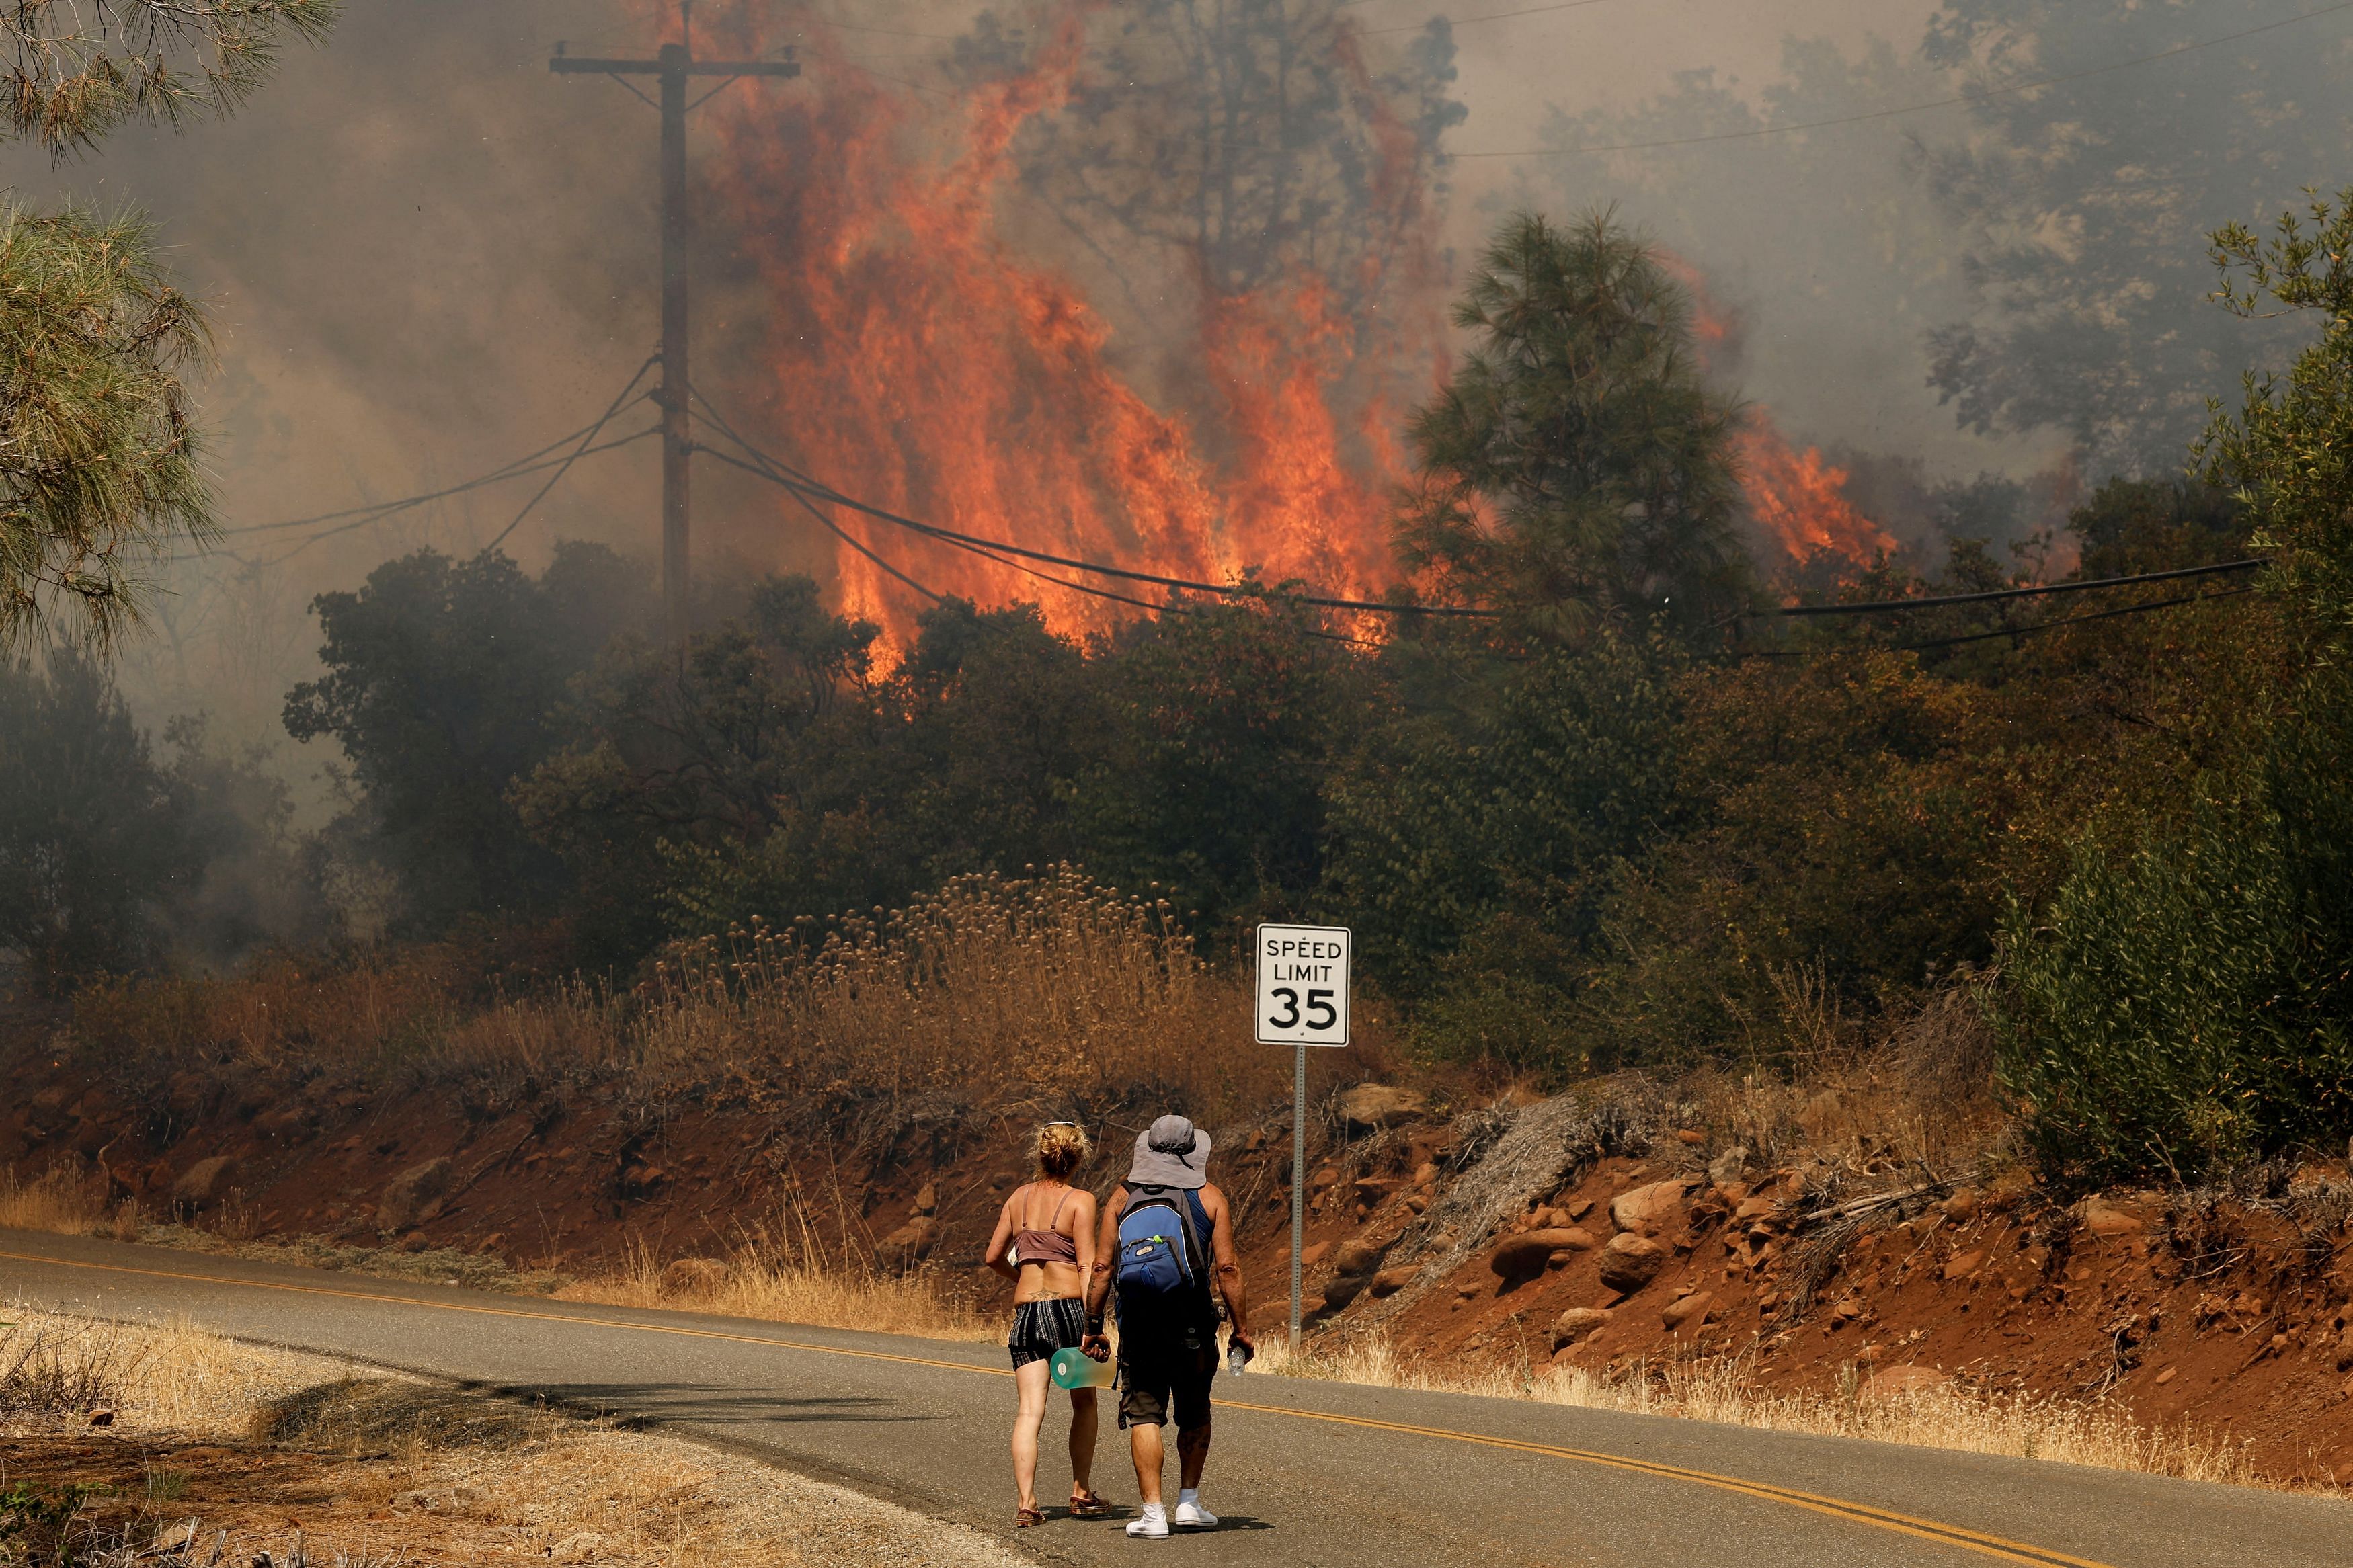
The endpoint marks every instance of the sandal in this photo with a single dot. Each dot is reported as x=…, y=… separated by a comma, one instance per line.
x=1085, y=1504
x=1023, y=1517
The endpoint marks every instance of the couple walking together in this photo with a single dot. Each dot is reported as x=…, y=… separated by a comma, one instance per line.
x=1163, y=1252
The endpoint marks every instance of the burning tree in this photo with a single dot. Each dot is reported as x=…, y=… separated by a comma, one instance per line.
x=1151, y=287
x=1578, y=468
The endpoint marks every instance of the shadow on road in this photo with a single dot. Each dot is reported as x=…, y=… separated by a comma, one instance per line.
x=714, y=1404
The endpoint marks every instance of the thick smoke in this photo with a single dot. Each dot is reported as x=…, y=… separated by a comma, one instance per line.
x=429, y=256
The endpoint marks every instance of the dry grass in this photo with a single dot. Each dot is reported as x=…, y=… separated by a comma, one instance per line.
x=1723, y=1389
x=61, y=1199
x=1913, y=1095
x=1048, y=988
x=765, y=1282
x=167, y=1377
x=294, y=1455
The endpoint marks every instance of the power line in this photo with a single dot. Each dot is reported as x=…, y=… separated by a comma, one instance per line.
x=787, y=475
x=758, y=470
x=1877, y=607
x=804, y=486
x=504, y=471
x=2073, y=620
x=838, y=530
x=391, y=508
x=1496, y=17
x=619, y=402
x=1916, y=108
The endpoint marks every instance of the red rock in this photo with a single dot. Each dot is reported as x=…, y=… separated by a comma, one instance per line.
x=206, y=1182
x=1389, y=1281
x=1631, y=1262
x=1525, y=1255
x=1370, y=1107
x=2105, y=1219
x=1690, y=1310
x=1576, y=1323
x=1355, y=1255
x=415, y=1195
x=1961, y=1265
x=910, y=1243
x=1899, y=1382
x=1962, y=1205
x=1647, y=1210
x=1314, y=1253
x=1692, y=1136
x=695, y=1277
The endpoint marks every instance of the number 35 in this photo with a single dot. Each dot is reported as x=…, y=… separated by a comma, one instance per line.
x=1317, y=1002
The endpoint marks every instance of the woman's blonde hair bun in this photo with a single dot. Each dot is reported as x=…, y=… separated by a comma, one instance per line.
x=1061, y=1147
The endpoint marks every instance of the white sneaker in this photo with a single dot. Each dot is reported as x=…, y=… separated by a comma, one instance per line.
x=1193, y=1516
x=1152, y=1526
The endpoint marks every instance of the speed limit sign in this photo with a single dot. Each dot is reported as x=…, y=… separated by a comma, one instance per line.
x=1303, y=986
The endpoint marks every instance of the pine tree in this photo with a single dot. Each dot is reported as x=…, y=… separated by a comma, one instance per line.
x=100, y=471
x=1578, y=468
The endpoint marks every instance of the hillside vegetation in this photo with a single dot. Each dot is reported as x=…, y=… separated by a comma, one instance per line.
x=1629, y=820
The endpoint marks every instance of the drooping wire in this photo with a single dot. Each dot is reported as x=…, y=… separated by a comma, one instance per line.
x=786, y=473
x=839, y=532
x=504, y=470
x=389, y=509
x=761, y=466
x=620, y=401
x=2025, y=630
x=1877, y=607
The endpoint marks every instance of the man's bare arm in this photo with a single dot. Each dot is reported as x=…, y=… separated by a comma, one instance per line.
x=1228, y=1268
x=1098, y=1288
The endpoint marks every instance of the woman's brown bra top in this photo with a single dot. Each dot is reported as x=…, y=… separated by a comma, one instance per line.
x=1046, y=1246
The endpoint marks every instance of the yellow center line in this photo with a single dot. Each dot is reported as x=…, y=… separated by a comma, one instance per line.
x=1836, y=1508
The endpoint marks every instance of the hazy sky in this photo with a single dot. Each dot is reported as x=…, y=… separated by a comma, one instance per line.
x=428, y=256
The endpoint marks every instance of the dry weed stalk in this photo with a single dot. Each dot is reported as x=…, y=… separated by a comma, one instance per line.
x=516, y=1480
x=1725, y=1389
x=774, y=1283
x=1054, y=986
x=1050, y=988
x=61, y=1199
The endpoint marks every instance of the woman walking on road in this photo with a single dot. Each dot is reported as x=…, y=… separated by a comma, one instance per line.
x=1045, y=1243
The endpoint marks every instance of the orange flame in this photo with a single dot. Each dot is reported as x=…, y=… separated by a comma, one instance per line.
x=916, y=361
x=1800, y=499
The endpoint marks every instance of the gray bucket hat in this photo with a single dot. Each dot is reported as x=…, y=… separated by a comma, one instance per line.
x=1171, y=1152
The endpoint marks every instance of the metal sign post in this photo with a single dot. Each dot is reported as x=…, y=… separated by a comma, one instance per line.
x=1303, y=1001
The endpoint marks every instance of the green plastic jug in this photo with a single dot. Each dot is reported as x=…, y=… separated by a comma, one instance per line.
x=1073, y=1368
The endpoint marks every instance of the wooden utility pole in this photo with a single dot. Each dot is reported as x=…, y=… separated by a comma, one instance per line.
x=671, y=67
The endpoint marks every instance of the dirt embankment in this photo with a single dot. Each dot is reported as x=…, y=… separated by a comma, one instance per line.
x=1583, y=1230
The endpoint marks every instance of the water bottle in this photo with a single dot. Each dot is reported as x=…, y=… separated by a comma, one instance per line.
x=1237, y=1355
x=1073, y=1368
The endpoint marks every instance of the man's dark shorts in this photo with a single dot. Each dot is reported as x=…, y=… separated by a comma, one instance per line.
x=1149, y=1384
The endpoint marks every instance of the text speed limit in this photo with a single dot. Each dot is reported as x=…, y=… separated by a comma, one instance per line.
x=1303, y=986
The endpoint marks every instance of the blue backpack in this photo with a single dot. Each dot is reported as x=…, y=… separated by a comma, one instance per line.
x=1159, y=1267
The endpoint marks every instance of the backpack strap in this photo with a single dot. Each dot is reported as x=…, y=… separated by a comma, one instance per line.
x=1200, y=1217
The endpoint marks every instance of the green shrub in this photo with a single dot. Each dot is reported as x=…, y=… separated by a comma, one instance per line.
x=2180, y=1005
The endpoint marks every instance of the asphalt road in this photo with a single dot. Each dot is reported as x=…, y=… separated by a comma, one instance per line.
x=1319, y=1475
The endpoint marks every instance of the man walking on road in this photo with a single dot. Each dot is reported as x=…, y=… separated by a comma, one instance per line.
x=1166, y=1238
